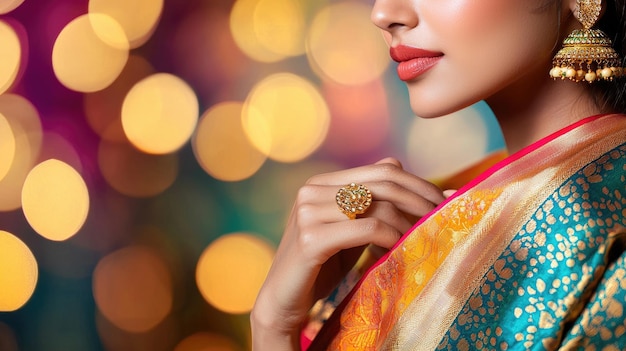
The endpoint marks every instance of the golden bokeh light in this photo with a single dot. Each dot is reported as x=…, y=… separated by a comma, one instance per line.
x=160, y=113
x=344, y=46
x=103, y=108
x=203, y=341
x=268, y=30
x=133, y=288
x=55, y=200
x=285, y=117
x=86, y=61
x=232, y=269
x=11, y=56
x=138, y=29
x=19, y=272
x=440, y=147
x=7, y=146
x=134, y=173
x=7, y=6
x=221, y=146
x=279, y=25
x=27, y=131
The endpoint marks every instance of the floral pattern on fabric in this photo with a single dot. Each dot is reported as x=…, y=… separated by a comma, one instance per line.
x=536, y=295
x=384, y=296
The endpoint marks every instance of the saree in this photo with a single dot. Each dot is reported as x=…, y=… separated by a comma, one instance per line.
x=530, y=255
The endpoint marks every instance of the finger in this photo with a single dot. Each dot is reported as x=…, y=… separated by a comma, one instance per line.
x=390, y=160
x=322, y=242
x=318, y=203
x=406, y=200
x=389, y=213
x=314, y=214
x=381, y=172
x=300, y=257
x=448, y=193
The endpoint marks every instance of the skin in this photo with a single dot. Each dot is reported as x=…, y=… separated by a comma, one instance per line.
x=494, y=50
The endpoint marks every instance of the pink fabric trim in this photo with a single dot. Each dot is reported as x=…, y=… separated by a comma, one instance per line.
x=304, y=342
x=527, y=150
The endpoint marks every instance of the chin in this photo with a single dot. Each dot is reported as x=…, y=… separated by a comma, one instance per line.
x=438, y=101
x=432, y=109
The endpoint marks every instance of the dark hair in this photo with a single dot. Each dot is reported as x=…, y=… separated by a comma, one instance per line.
x=611, y=95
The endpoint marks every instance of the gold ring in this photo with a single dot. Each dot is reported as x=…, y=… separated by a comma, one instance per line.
x=353, y=199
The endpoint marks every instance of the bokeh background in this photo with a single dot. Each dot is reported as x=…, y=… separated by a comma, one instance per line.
x=150, y=151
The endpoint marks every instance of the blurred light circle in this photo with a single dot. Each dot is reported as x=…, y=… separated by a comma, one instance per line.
x=19, y=272
x=7, y=146
x=86, y=61
x=232, y=269
x=134, y=173
x=132, y=288
x=55, y=200
x=221, y=146
x=26, y=126
x=279, y=25
x=7, y=6
x=11, y=56
x=203, y=341
x=344, y=46
x=440, y=147
x=103, y=108
x=268, y=30
x=160, y=113
x=138, y=29
x=285, y=117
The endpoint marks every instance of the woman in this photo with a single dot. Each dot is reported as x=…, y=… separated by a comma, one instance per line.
x=530, y=254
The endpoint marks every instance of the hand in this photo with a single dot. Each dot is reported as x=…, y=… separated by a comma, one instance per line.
x=320, y=244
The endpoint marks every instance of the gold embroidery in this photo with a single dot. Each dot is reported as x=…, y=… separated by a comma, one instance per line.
x=591, y=214
x=422, y=253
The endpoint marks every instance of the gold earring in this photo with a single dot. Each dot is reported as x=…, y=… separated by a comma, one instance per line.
x=587, y=54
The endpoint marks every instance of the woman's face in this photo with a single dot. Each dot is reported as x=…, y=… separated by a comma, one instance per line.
x=468, y=50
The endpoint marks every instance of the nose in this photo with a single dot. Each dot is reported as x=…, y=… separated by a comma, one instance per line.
x=393, y=15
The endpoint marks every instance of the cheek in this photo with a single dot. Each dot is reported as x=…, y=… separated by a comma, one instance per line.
x=492, y=33
x=467, y=19
x=487, y=45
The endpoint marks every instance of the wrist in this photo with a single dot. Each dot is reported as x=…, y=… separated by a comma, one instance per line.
x=268, y=335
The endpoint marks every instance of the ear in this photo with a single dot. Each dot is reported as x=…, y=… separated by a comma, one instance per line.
x=569, y=22
x=569, y=7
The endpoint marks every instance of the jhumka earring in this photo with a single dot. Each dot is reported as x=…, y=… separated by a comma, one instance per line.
x=587, y=54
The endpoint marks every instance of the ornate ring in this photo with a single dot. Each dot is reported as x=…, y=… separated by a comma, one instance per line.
x=353, y=199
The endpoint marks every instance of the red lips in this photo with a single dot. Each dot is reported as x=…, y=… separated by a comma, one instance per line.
x=413, y=62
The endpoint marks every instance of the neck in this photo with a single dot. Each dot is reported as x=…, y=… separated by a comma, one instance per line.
x=530, y=110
